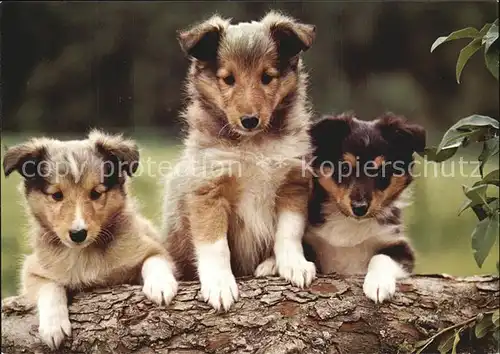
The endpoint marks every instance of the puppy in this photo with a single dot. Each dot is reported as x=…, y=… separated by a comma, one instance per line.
x=238, y=193
x=85, y=230
x=361, y=173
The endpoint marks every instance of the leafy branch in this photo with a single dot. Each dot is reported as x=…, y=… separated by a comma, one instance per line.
x=473, y=129
x=449, y=337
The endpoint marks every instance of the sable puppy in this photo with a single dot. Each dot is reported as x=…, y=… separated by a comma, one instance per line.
x=85, y=230
x=238, y=193
x=361, y=171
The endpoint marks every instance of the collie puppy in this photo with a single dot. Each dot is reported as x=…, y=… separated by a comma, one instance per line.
x=85, y=230
x=361, y=173
x=238, y=194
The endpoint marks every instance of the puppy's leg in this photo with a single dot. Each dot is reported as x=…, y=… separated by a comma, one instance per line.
x=292, y=210
x=160, y=285
x=52, y=305
x=394, y=261
x=266, y=268
x=208, y=216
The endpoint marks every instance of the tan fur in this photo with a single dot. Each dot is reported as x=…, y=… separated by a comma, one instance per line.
x=230, y=184
x=351, y=159
x=382, y=199
x=293, y=195
x=119, y=238
x=339, y=194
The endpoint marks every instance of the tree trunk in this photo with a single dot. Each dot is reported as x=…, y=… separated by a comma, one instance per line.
x=332, y=316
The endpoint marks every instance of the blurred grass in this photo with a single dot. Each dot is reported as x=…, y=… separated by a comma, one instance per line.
x=440, y=236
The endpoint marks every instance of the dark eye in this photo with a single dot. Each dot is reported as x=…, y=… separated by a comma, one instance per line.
x=94, y=195
x=57, y=196
x=345, y=170
x=229, y=80
x=266, y=79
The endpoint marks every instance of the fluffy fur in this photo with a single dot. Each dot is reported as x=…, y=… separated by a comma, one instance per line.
x=362, y=174
x=85, y=230
x=238, y=193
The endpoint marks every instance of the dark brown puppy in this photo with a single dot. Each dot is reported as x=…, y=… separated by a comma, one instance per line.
x=362, y=171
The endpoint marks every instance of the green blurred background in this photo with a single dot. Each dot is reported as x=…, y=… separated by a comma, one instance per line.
x=67, y=67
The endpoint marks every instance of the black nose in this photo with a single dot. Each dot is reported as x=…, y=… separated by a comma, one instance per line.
x=78, y=236
x=359, y=209
x=249, y=122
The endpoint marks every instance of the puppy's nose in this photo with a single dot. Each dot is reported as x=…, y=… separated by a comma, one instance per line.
x=359, y=208
x=78, y=236
x=249, y=122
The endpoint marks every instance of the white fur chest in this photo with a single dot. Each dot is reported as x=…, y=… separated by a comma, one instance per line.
x=259, y=173
x=342, y=231
x=345, y=245
x=76, y=269
x=256, y=210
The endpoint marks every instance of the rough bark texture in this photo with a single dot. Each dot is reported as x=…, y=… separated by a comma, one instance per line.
x=332, y=316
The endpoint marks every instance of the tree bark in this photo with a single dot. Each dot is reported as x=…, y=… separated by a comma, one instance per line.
x=332, y=316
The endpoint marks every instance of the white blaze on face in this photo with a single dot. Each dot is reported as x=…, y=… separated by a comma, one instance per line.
x=78, y=222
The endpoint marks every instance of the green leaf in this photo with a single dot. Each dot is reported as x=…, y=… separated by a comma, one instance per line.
x=446, y=342
x=468, y=32
x=431, y=154
x=466, y=127
x=480, y=211
x=483, y=326
x=476, y=194
x=455, y=342
x=495, y=318
x=483, y=238
x=490, y=148
x=485, y=29
x=465, y=54
x=491, y=59
x=491, y=178
x=491, y=36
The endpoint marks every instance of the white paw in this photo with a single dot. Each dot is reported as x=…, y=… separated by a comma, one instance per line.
x=379, y=287
x=296, y=269
x=268, y=267
x=219, y=289
x=54, y=325
x=160, y=285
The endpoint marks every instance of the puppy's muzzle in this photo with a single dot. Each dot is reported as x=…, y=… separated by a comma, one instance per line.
x=359, y=209
x=78, y=236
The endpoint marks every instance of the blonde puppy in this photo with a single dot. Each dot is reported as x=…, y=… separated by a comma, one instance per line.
x=238, y=195
x=85, y=230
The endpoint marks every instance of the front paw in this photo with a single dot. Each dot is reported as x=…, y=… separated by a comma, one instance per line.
x=296, y=269
x=160, y=285
x=268, y=267
x=54, y=325
x=160, y=289
x=219, y=289
x=379, y=287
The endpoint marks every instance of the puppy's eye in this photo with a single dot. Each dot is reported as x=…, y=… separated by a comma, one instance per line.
x=94, y=195
x=345, y=169
x=266, y=79
x=57, y=196
x=229, y=80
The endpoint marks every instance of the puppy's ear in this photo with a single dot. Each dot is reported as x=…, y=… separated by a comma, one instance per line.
x=25, y=158
x=291, y=37
x=202, y=40
x=399, y=132
x=122, y=153
x=327, y=136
